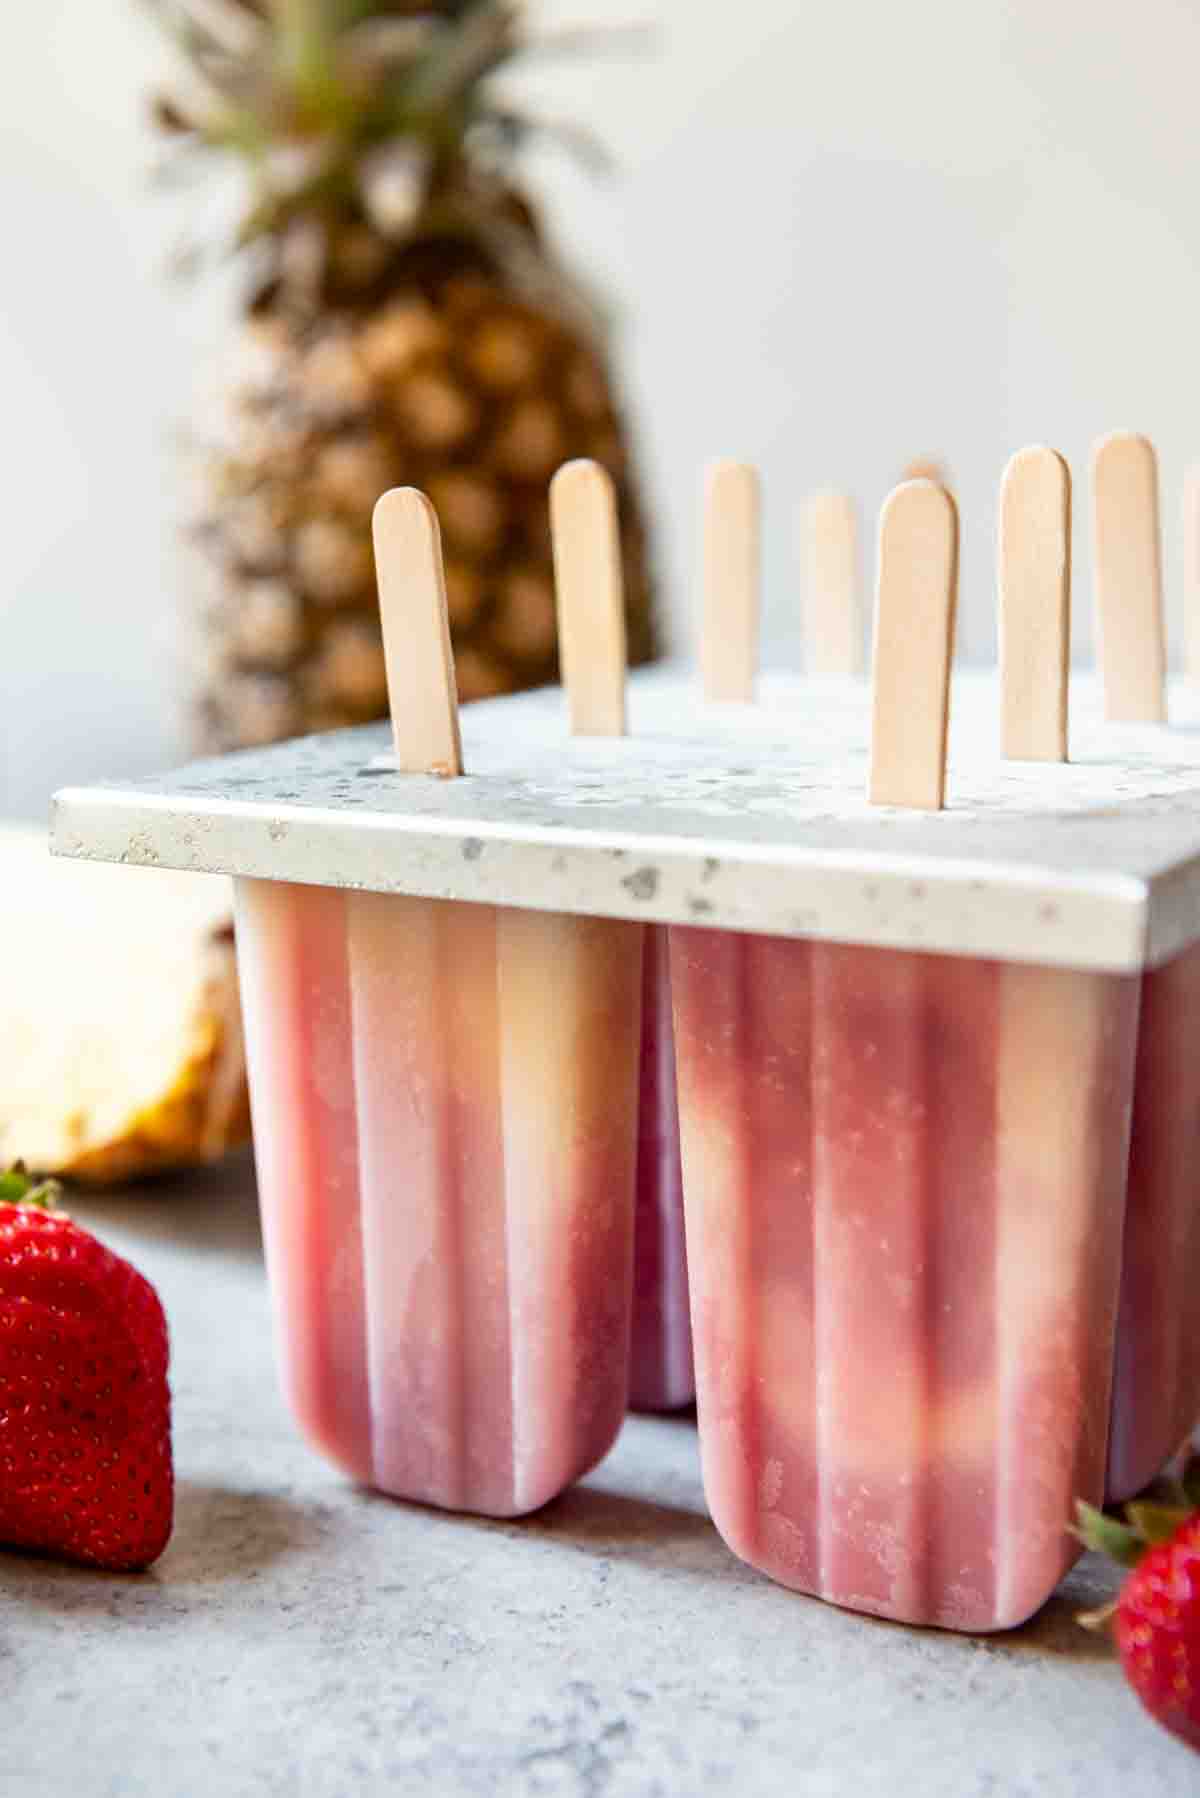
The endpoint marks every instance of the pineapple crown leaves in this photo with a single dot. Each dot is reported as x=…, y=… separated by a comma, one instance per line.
x=315, y=94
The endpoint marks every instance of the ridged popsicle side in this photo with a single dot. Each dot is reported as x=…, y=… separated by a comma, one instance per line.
x=427, y=1072
x=570, y=1011
x=1156, y=1398
x=661, y=1375
x=875, y=1354
x=1065, y=1065
x=296, y=1003
x=445, y=1124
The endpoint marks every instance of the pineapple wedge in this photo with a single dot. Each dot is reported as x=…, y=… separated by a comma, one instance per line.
x=121, y=1047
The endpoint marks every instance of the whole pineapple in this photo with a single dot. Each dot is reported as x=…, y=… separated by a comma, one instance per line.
x=405, y=324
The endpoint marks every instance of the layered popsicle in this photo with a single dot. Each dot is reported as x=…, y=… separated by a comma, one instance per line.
x=442, y=1096
x=904, y=1179
x=444, y=1101
x=904, y=1182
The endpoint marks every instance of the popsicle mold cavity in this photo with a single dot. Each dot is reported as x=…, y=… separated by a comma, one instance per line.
x=444, y=1104
x=904, y=1189
x=661, y=1376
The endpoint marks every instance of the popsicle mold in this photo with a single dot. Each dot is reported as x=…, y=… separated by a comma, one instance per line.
x=443, y=1102
x=1053, y=893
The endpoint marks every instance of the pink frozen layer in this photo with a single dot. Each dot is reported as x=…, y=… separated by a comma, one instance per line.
x=1156, y=1399
x=904, y=1186
x=443, y=1107
x=661, y=1376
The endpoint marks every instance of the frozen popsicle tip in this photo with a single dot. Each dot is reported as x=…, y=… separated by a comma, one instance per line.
x=916, y=600
x=1128, y=573
x=732, y=574
x=833, y=632
x=589, y=589
x=418, y=657
x=1034, y=582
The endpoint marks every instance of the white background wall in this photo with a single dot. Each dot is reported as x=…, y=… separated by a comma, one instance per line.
x=842, y=235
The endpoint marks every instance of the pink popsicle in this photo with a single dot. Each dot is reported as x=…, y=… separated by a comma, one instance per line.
x=444, y=1118
x=904, y=1181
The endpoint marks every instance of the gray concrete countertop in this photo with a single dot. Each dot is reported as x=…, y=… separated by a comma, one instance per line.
x=304, y=1637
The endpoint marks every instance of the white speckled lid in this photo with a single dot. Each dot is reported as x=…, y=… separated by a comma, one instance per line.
x=731, y=816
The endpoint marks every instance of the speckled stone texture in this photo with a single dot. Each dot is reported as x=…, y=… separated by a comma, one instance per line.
x=303, y=1637
x=752, y=818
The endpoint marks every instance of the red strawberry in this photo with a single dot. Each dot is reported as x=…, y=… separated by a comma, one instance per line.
x=85, y=1411
x=1156, y=1618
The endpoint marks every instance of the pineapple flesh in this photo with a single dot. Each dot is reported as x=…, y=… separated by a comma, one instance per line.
x=122, y=1047
x=405, y=325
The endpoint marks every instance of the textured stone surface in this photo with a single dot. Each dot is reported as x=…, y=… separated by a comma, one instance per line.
x=300, y=1636
x=742, y=818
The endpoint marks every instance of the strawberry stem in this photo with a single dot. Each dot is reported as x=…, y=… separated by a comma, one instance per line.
x=1107, y=1536
x=19, y=1187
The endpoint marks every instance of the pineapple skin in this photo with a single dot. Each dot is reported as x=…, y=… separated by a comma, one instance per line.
x=427, y=370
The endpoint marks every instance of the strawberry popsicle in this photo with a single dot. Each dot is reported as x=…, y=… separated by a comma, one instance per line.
x=442, y=1100
x=903, y=1180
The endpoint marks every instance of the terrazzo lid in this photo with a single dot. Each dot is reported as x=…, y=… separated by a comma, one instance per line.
x=743, y=818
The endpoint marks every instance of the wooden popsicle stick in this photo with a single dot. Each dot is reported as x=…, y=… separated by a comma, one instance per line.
x=590, y=596
x=1191, y=572
x=729, y=626
x=1034, y=556
x=832, y=609
x=1129, y=603
x=416, y=634
x=915, y=606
